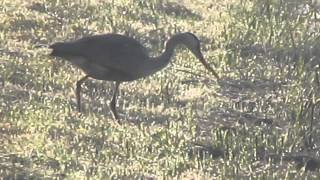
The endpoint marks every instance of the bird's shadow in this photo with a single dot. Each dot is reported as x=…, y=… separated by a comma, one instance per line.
x=177, y=10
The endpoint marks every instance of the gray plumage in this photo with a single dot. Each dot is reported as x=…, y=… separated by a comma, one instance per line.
x=119, y=58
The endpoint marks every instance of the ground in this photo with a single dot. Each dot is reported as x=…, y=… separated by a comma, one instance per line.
x=260, y=120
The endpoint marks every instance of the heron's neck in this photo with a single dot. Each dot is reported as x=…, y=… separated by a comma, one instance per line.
x=163, y=60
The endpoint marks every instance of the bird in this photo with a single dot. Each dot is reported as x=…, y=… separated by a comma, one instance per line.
x=119, y=58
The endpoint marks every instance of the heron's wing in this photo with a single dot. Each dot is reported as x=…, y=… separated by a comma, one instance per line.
x=113, y=51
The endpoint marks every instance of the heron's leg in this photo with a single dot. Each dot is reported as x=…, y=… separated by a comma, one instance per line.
x=113, y=101
x=78, y=89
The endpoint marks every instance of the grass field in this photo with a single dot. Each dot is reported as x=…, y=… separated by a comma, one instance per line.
x=259, y=121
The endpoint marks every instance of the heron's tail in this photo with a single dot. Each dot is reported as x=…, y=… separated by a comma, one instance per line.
x=41, y=46
x=61, y=49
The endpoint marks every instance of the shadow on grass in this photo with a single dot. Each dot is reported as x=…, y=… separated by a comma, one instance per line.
x=178, y=11
x=12, y=166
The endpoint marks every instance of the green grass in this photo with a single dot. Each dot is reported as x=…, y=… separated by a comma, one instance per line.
x=260, y=121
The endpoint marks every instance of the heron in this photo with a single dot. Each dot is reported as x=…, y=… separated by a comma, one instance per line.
x=119, y=58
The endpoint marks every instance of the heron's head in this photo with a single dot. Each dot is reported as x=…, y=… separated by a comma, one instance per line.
x=193, y=44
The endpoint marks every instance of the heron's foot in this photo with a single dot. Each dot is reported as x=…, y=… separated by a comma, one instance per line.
x=114, y=111
x=115, y=116
x=80, y=115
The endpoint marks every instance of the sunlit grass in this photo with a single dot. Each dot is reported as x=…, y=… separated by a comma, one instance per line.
x=259, y=121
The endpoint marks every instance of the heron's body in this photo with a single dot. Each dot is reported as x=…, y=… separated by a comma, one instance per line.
x=110, y=57
x=119, y=58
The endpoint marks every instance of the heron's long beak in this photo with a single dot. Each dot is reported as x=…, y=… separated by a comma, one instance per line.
x=206, y=65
